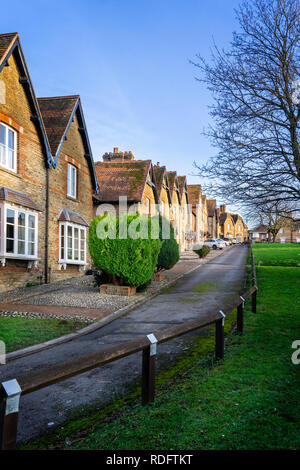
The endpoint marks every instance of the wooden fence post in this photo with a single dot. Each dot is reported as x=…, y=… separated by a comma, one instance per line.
x=10, y=392
x=240, y=316
x=220, y=338
x=148, y=371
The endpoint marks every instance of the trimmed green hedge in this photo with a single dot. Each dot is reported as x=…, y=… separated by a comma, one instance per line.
x=169, y=252
x=126, y=260
x=202, y=252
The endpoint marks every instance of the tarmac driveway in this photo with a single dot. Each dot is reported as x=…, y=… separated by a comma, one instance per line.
x=209, y=288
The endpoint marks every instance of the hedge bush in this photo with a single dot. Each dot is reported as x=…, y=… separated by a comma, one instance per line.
x=127, y=261
x=169, y=251
x=202, y=252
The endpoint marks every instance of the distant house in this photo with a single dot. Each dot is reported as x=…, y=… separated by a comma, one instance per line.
x=290, y=233
x=184, y=212
x=120, y=175
x=162, y=188
x=175, y=209
x=195, y=200
x=212, y=219
x=259, y=234
x=240, y=228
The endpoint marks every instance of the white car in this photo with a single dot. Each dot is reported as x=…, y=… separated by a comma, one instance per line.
x=215, y=244
x=226, y=242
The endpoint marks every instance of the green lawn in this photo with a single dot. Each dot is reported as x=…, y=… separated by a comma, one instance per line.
x=277, y=254
x=248, y=401
x=19, y=332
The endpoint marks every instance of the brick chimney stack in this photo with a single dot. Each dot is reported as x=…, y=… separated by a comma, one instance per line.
x=222, y=208
x=116, y=150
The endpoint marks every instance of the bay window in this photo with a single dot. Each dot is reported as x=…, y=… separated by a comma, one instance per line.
x=8, y=146
x=72, y=244
x=19, y=233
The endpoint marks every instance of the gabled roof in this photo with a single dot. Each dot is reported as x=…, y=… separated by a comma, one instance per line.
x=182, y=185
x=211, y=207
x=194, y=192
x=159, y=173
x=10, y=45
x=173, y=183
x=66, y=215
x=224, y=216
x=10, y=195
x=259, y=229
x=58, y=113
x=161, y=180
x=6, y=41
x=126, y=178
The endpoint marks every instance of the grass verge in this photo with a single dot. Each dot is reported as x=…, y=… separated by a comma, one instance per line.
x=20, y=332
x=248, y=401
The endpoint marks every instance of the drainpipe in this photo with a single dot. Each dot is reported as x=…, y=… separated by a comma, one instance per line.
x=46, y=268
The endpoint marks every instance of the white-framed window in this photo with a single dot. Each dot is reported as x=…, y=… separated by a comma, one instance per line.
x=72, y=244
x=72, y=181
x=8, y=147
x=147, y=206
x=19, y=233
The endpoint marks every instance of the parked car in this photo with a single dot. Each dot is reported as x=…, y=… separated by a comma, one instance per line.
x=228, y=241
x=215, y=244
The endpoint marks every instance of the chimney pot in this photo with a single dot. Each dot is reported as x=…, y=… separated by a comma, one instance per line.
x=116, y=150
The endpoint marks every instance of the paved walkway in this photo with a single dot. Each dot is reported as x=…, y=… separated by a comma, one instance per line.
x=209, y=288
x=79, y=298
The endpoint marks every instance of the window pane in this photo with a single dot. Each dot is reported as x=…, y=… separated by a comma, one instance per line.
x=2, y=145
x=31, y=221
x=21, y=219
x=76, y=233
x=21, y=247
x=2, y=154
x=70, y=242
x=21, y=233
x=62, y=242
x=2, y=134
x=31, y=235
x=9, y=231
x=31, y=249
x=11, y=140
x=9, y=246
x=10, y=216
x=82, y=244
x=71, y=180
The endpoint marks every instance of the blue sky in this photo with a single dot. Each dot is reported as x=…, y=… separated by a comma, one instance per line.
x=129, y=61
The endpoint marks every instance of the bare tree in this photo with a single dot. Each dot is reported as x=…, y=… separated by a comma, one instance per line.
x=274, y=217
x=256, y=88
